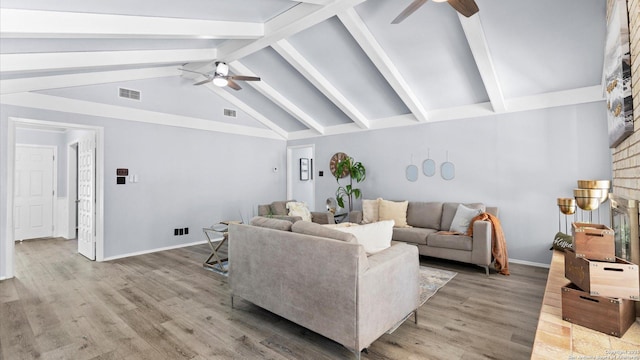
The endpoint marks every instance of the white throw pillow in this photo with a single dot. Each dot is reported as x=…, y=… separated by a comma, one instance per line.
x=462, y=218
x=374, y=237
x=370, y=213
x=299, y=209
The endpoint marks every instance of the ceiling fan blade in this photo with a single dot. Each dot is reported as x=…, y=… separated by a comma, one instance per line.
x=244, y=78
x=208, y=80
x=234, y=85
x=408, y=11
x=464, y=7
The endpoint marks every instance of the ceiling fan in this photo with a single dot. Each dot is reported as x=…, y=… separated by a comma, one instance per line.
x=464, y=7
x=221, y=77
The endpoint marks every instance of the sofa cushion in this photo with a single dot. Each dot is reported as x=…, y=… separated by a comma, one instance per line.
x=412, y=235
x=449, y=211
x=458, y=242
x=277, y=224
x=462, y=219
x=299, y=209
x=309, y=228
x=374, y=237
x=394, y=210
x=424, y=214
x=370, y=210
x=280, y=207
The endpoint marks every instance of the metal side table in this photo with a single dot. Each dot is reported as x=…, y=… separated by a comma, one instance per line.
x=217, y=235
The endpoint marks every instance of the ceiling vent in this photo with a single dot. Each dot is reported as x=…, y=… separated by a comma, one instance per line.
x=129, y=94
x=229, y=113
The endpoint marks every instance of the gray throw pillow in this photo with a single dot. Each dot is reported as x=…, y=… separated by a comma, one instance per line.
x=309, y=228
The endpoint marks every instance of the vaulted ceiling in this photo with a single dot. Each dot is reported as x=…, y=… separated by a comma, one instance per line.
x=327, y=66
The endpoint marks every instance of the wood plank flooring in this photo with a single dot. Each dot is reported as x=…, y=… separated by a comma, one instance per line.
x=166, y=306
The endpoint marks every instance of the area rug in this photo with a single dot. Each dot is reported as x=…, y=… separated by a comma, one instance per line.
x=431, y=280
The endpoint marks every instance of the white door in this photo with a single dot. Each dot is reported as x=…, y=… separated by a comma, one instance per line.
x=33, y=195
x=86, y=196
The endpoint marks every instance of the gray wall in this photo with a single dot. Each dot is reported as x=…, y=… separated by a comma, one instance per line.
x=520, y=162
x=187, y=178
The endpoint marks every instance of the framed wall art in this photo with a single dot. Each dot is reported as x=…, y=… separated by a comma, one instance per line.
x=617, y=75
x=304, y=169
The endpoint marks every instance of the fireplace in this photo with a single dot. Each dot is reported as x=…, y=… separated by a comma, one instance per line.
x=624, y=221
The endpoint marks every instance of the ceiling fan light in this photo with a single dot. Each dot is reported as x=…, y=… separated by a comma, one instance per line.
x=222, y=69
x=220, y=81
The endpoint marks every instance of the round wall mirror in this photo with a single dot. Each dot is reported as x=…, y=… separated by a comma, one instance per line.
x=448, y=170
x=412, y=173
x=429, y=167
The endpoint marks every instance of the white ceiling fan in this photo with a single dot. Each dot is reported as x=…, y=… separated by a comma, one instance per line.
x=221, y=77
x=464, y=7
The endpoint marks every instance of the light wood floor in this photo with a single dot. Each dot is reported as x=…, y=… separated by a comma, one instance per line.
x=166, y=306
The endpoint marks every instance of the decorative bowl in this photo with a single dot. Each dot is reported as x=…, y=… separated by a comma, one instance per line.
x=567, y=205
x=588, y=199
x=603, y=185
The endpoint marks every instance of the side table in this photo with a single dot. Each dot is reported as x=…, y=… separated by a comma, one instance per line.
x=218, y=235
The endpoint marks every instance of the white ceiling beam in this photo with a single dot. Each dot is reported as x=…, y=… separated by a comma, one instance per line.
x=242, y=106
x=16, y=23
x=289, y=53
x=277, y=98
x=36, y=83
x=570, y=97
x=381, y=60
x=298, y=18
x=92, y=59
x=474, y=33
x=56, y=103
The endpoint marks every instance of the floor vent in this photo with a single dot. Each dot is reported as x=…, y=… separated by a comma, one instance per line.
x=129, y=94
x=229, y=112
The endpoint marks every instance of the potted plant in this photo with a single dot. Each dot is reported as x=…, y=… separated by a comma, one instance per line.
x=357, y=172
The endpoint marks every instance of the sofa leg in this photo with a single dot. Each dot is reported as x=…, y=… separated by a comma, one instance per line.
x=231, y=301
x=415, y=315
x=486, y=269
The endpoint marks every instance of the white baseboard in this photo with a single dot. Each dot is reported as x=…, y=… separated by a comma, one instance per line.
x=154, y=250
x=530, y=263
x=5, y=278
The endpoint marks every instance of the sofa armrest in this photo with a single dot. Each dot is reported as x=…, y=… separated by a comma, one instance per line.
x=355, y=216
x=322, y=217
x=481, y=248
x=388, y=291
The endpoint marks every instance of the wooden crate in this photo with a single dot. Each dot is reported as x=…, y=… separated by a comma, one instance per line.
x=593, y=241
x=608, y=315
x=618, y=280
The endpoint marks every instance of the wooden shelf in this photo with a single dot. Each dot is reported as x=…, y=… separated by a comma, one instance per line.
x=559, y=339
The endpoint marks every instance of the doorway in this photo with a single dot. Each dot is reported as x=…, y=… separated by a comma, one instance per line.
x=97, y=202
x=34, y=191
x=300, y=174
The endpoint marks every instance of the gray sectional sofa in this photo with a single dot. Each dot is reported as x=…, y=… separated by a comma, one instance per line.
x=321, y=279
x=427, y=219
x=278, y=210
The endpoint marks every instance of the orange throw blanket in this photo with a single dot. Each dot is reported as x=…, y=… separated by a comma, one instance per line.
x=498, y=242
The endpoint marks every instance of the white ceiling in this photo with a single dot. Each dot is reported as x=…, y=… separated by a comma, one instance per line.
x=327, y=66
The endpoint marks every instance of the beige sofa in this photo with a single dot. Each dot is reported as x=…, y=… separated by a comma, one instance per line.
x=302, y=273
x=428, y=218
x=278, y=210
